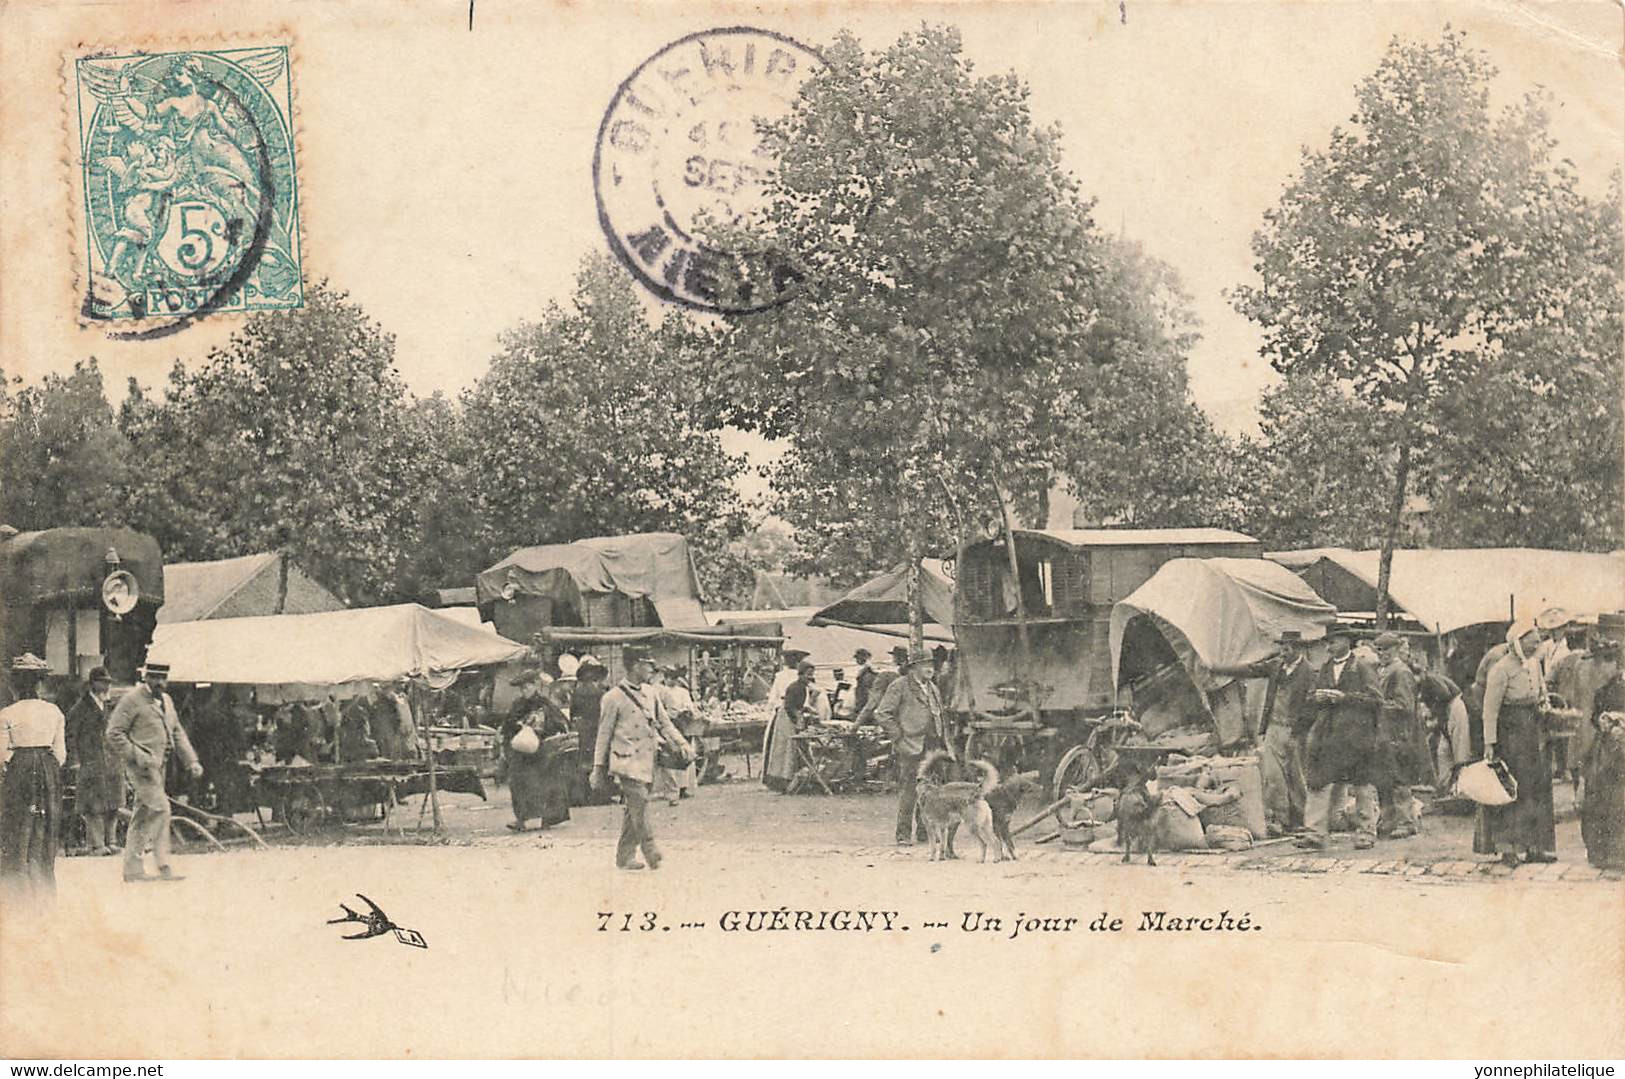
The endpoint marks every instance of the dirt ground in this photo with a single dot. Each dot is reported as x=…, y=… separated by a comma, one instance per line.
x=539, y=947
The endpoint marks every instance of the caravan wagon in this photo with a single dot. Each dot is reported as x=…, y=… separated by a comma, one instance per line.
x=1051, y=703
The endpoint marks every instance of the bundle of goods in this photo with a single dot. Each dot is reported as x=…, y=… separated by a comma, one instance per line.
x=1246, y=811
x=1192, y=740
x=1091, y=815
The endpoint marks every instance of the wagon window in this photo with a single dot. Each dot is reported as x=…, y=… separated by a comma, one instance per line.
x=1046, y=584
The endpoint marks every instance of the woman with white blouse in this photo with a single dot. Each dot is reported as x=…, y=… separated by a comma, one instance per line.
x=33, y=747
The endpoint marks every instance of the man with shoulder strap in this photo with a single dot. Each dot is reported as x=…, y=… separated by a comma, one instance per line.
x=631, y=725
x=143, y=731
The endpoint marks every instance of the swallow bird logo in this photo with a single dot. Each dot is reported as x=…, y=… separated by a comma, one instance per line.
x=377, y=924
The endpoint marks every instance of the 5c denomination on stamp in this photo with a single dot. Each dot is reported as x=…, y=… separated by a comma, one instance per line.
x=190, y=192
x=679, y=147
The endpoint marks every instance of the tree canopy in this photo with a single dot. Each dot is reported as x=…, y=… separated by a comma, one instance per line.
x=1421, y=257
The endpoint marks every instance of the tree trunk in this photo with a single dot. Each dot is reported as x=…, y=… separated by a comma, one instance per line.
x=916, y=603
x=1390, y=532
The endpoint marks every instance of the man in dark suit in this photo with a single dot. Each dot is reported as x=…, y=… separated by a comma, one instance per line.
x=1343, y=742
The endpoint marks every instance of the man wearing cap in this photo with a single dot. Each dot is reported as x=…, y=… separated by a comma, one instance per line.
x=1398, y=763
x=1282, y=727
x=631, y=725
x=99, y=777
x=143, y=732
x=1342, y=743
x=911, y=712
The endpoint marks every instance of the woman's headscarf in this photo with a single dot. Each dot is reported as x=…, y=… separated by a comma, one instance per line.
x=1515, y=635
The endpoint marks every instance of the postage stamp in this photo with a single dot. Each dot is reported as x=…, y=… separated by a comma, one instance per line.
x=190, y=194
x=679, y=146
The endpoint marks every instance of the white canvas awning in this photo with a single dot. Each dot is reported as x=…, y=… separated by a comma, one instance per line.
x=1449, y=589
x=1220, y=612
x=369, y=644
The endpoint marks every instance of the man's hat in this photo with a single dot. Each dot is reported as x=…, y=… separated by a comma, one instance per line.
x=29, y=663
x=634, y=653
x=795, y=655
x=1388, y=640
x=900, y=654
x=915, y=659
x=98, y=674
x=862, y=654
x=940, y=650
x=152, y=669
x=1337, y=629
x=1289, y=636
x=1552, y=618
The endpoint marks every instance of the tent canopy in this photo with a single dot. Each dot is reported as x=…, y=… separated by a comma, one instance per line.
x=826, y=645
x=883, y=601
x=239, y=587
x=1449, y=589
x=656, y=566
x=367, y=644
x=59, y=563
x=1219, y=612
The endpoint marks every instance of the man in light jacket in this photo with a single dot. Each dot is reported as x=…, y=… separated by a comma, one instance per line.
x=631, y=725
x=143, y=731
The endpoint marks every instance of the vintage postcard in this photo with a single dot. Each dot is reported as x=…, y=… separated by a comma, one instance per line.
x=986, y=529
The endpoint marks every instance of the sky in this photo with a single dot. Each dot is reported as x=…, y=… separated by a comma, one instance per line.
x=445, y=173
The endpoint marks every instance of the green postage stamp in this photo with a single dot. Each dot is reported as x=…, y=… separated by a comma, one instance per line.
x=190, y=196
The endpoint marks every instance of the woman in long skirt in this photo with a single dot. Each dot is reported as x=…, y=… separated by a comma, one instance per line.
x=1514, y=733
x=539, y=782
x=33, y=748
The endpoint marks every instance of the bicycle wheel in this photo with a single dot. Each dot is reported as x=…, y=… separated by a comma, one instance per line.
x=1078, y=768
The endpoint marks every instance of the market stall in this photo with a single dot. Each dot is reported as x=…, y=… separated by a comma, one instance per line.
x=728, y=670
x=306, y=664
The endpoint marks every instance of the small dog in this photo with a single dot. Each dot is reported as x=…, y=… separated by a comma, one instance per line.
x=1002, y=802
x=943, y=807
x=1137, y=818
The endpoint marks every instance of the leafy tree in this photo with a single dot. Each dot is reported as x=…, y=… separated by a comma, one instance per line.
x=1322, y=462
x=63, y=461
x=582, y=427
x=1403, y=257
x=1144, y=453
x=935, y=361
x=1531, y=452
x=293, y=436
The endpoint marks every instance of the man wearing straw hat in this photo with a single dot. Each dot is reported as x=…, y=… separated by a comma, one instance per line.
x=144, y=731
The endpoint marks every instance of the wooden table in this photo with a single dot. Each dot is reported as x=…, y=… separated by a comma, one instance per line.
x=827, y=756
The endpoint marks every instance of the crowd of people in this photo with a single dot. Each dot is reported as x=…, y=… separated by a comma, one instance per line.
x=1341, y=745
x=1371, y=723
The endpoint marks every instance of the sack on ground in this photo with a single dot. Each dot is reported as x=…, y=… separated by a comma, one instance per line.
x=1228, y=837
x=1248, y=812
x=1178, y=829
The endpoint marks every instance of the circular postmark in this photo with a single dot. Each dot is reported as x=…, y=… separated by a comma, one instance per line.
x=189, y=191
x=678, y=148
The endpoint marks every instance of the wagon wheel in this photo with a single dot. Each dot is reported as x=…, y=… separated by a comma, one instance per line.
x=303, y=807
